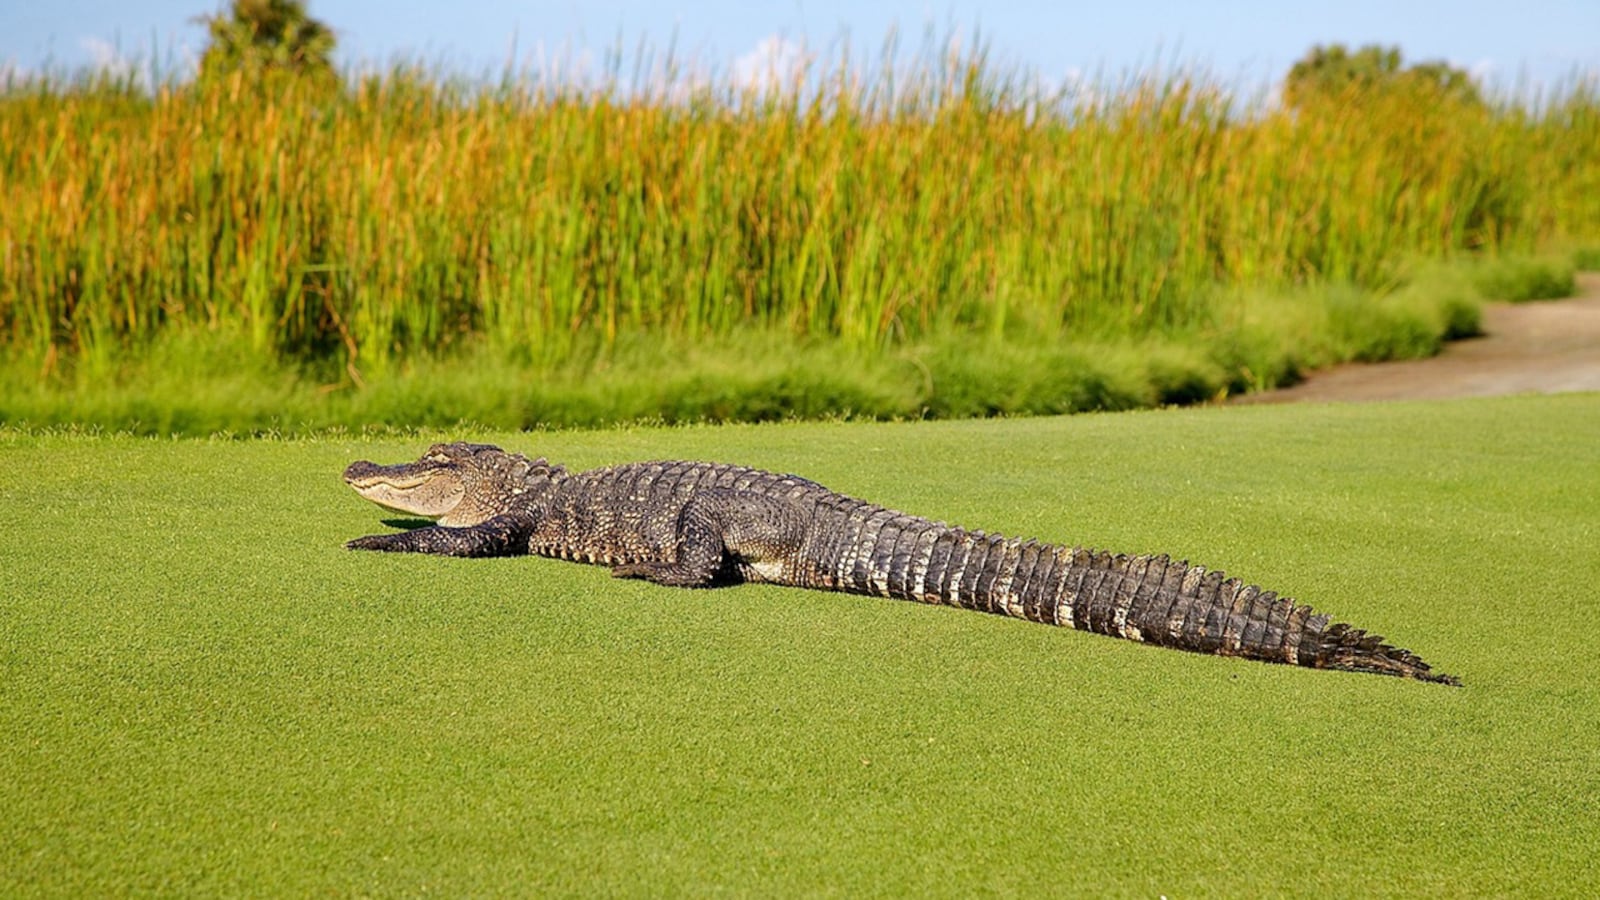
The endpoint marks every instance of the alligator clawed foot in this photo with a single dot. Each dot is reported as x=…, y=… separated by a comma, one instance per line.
x=665, y=574
x=372, y=542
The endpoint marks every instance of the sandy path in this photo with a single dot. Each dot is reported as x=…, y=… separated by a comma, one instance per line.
x=1529, y=348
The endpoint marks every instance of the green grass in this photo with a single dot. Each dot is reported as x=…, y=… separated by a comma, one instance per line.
x=204, y=694
x=1250, y=340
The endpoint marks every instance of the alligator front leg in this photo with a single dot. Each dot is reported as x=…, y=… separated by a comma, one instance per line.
x=726, y=534
x=500, y=536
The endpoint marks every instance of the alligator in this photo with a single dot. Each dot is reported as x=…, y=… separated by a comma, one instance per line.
x=700, y=524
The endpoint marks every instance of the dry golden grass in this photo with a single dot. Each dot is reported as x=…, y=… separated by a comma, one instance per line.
x=408, y=213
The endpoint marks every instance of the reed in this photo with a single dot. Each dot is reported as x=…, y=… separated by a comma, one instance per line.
x=409, y=214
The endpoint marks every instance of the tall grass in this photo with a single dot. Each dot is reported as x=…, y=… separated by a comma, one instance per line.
x=410, y=214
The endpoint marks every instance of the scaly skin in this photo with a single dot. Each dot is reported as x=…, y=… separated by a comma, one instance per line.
x=693, y=524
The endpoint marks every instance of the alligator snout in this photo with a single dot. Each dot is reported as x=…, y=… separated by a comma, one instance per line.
x=361, y=470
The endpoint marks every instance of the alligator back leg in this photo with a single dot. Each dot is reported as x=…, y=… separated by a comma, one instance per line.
x=726, y=535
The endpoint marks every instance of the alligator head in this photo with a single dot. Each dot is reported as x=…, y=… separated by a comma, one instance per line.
x=458, y=484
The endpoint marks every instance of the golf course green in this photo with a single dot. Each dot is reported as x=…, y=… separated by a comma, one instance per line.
x=203, y=693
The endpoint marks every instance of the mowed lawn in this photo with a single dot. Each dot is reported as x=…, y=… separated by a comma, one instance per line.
x=201, y=692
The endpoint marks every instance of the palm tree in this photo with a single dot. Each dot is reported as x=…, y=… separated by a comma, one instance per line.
x=260, y=35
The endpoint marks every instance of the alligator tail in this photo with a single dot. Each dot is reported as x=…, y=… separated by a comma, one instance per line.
x=1152, y=599
x=1170, y=603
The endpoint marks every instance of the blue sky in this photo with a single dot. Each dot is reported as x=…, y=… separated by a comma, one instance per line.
x=1247, y=42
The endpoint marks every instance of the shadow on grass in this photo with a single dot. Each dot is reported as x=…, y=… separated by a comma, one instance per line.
x=407, y=524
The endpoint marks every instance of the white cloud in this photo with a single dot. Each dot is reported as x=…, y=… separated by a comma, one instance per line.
x=107, y=58
x=104, y=55
x=179, y=59
x=776, y=63
x=1077, y=87
x=565, y=65
x=682, y=86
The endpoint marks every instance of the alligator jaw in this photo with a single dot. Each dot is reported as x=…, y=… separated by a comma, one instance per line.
x=407, y=488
